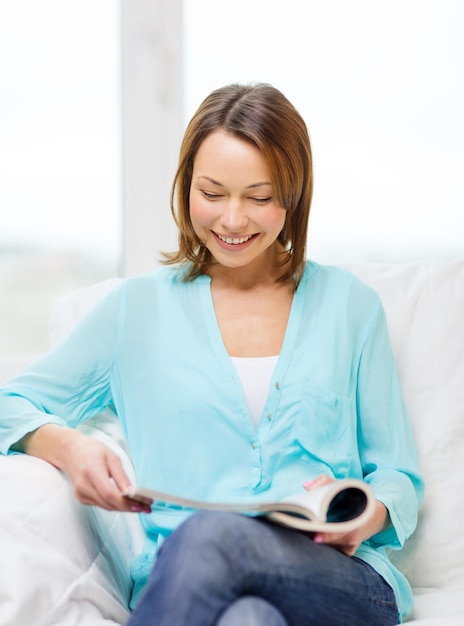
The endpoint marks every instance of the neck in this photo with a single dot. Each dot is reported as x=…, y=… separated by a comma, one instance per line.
x=263, y=272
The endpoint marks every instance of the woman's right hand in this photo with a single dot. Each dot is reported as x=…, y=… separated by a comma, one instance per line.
x=97, y=474
x=95, y=471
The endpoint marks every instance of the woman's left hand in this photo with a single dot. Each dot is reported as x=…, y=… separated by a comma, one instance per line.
x=349, y=542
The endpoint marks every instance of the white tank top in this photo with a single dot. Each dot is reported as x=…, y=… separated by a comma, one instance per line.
x=255, y=374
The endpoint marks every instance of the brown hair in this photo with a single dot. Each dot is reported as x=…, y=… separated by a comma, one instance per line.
x=262, y=115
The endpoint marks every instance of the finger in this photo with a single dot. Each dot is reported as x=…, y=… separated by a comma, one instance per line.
x=136, y=506
x=321, y=480
x=122, y=483
x=110, y=495
x=101, y=491
x=117, y=473
x=336, y=541
x=96, y=485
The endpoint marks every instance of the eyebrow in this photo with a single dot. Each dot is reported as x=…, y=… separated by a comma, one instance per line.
x=218, y=184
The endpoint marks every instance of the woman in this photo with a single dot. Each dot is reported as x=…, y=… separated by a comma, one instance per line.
x=238, y=371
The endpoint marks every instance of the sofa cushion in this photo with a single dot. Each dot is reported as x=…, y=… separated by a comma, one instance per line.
x=424, y=303
x=63, y=562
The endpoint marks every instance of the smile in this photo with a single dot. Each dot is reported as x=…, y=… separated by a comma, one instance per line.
x=234, y=240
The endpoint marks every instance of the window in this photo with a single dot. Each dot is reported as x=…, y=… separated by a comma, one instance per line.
x=380, y=86
x=60, y=158
x=377, y=83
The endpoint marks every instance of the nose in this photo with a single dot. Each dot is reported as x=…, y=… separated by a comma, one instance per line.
x=234, y=218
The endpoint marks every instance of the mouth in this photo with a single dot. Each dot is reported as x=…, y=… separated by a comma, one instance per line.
x=234, y=241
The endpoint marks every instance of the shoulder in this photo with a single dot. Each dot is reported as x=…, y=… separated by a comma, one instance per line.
x=164, y=284
x=158, y=278
x=338, y=282
x=340, y=304
x=336, y=297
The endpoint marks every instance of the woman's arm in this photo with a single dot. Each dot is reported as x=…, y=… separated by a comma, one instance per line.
x=69, y=384
x=385, y=439
x=95, y=471
x=40, y=408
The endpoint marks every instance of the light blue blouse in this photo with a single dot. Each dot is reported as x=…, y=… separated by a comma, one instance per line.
x=153, y=349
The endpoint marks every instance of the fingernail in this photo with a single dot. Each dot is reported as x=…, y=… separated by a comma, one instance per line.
x=308, y=483
x=140, y=509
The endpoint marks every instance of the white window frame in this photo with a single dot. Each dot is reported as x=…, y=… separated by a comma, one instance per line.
x=152, y=120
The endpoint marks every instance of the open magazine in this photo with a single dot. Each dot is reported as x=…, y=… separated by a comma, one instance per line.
x=340, y=506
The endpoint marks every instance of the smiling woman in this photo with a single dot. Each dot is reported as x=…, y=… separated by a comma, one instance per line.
x=232, y=218
x=268, y=172
x=161, y=350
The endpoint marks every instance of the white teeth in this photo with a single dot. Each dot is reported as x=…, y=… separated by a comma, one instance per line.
x=234, y=240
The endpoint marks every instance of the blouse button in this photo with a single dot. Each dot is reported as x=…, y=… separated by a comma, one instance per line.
x=277, y=385
x=268, y=416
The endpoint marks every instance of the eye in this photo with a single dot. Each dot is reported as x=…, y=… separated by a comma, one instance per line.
x=210, y=196
x=262, y=200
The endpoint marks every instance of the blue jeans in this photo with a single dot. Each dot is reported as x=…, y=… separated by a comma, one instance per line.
x=221, y=569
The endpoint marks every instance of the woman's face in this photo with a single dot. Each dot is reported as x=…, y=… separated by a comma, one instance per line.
x=232, y=208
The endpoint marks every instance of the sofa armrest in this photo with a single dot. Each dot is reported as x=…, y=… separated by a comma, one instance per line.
x=63, y=562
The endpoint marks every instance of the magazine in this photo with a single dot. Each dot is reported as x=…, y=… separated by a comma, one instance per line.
x=340, y=506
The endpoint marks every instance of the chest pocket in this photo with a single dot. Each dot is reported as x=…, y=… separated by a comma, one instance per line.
x=324, y=430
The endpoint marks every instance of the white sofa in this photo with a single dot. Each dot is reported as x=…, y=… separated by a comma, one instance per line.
x=60, y=559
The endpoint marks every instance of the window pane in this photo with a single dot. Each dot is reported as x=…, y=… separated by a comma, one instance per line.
x=380, y=86
x=60, y=153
